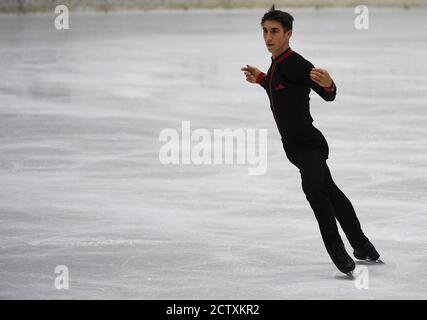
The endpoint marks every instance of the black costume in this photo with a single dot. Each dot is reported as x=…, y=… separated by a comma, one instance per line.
x=288, y=85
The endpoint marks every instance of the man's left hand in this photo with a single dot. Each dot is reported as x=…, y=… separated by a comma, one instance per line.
x=321, y=77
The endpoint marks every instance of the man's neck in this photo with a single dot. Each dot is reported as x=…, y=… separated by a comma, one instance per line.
x=275, y=55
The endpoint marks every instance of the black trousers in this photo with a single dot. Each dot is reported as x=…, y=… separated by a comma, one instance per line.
x=328, y=202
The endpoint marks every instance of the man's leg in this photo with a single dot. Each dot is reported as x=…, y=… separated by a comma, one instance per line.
x=344, y=212
x=312, y=167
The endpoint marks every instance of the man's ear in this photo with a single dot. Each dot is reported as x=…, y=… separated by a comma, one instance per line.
x=290, y=33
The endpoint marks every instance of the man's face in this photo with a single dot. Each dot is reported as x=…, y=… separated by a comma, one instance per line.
x=275, y=37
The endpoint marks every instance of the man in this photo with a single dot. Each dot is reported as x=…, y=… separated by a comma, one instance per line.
x=288, y=83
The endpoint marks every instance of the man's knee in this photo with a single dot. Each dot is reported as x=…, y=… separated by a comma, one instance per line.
x=313, y=191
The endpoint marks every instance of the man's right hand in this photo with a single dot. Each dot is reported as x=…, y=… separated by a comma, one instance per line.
x=251, y=73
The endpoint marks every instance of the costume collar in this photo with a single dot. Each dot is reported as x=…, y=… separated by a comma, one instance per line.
x=282, y=56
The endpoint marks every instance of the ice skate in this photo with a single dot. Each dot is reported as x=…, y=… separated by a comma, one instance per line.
x=341, y=259
x=368, y=253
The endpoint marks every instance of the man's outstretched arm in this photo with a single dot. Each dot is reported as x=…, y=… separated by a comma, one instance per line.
x=253, y=75
x=322, y=83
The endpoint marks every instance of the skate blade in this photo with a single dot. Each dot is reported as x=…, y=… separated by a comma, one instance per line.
x=378, y=261
x=350, y=274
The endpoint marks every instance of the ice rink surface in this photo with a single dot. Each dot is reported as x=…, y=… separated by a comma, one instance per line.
x=81, y=111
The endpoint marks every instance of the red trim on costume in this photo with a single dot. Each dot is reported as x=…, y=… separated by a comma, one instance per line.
x=271, y=92
x=330, y=88
x=287, y=54
x=280, y=86
x=275, y=63
x=260, y=77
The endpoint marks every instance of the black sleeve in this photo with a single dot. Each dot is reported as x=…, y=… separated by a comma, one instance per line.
x=327, y=93
x=260, y=80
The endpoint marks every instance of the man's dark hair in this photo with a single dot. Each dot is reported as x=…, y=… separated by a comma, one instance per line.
x=284, y=18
